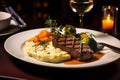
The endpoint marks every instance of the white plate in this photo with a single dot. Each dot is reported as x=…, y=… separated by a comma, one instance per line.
x=13, y=45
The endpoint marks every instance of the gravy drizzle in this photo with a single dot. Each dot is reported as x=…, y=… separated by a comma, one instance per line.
x=96, y=56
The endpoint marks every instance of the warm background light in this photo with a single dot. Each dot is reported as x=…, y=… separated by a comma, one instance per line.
x=107, y=23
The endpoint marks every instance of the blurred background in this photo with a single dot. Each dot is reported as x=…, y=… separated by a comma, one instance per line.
x=37, y=11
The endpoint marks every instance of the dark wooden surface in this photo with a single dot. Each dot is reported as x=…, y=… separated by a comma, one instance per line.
x=10, y=66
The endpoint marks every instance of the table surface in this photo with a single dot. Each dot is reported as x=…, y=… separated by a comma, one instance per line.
x=12, y=67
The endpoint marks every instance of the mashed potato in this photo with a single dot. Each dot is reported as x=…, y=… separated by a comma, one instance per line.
x=47, y=54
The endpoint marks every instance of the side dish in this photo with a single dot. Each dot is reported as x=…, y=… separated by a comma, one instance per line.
x=46, y=53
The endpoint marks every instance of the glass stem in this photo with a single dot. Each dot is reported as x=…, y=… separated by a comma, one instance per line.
x=81, y=19
x=115, y=23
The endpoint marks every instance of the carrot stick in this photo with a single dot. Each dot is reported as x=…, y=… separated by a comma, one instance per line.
x=44, y=33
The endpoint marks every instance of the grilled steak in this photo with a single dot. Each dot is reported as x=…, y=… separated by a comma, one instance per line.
x=74, y=47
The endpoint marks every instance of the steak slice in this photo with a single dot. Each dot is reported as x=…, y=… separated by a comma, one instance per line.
x=74, y=47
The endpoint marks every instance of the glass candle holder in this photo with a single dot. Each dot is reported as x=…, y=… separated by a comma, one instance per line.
x=109, y=18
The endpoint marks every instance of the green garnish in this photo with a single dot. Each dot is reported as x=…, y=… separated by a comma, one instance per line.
x=69, y=29
x=84, y=37
x=93, y=44
x=54, y=27
x=44, y=44
x=87, y=38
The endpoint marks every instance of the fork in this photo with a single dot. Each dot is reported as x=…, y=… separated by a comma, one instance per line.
x=114, y=48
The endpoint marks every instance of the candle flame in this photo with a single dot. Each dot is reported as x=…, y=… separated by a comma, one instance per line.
x=109, y=7
x=108, y=17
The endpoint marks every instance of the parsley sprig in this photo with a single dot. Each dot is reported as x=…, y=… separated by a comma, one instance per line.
x=54, y=27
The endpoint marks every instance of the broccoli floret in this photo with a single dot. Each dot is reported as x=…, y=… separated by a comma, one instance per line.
x=69, y=29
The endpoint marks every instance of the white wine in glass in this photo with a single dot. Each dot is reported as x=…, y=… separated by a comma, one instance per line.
x=81, y=7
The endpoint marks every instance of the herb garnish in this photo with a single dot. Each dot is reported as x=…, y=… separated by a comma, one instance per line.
x=84, y=37
x=44, y=44
x=54, y=27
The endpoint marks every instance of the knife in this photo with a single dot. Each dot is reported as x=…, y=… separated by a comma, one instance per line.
x=16, y=17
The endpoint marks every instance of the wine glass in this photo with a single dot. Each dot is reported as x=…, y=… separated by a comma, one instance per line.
x=81, y=7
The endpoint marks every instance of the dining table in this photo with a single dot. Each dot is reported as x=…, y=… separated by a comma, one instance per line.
x=16, y=69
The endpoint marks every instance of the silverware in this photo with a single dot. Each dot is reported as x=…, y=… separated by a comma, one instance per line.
x=101, y=46
x=16, y=17
x=10, y=78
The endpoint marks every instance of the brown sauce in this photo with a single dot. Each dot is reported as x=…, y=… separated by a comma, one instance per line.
x=96, y=56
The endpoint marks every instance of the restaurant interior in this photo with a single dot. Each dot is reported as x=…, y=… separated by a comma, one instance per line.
x=34, y=13
x=38, y=11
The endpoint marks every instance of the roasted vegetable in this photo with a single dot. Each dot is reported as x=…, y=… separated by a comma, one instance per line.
x=83, y=37
x=69, y=29
x=93, y=44
x=88, y=38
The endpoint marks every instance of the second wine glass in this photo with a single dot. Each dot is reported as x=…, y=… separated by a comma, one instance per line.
x=81, y=7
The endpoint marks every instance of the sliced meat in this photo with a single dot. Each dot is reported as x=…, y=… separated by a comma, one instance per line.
x=74, y=47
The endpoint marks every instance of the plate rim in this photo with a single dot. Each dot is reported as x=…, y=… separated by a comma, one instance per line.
x=49, y=64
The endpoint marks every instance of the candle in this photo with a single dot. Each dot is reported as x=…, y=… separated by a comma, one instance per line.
x=107, y=24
